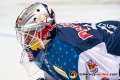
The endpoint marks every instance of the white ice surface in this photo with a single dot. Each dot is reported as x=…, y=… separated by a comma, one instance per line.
x=10, y=49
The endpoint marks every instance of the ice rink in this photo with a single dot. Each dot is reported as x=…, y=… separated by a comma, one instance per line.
x=66, y=11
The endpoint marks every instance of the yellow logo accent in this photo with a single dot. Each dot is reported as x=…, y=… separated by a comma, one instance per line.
x=60, y=71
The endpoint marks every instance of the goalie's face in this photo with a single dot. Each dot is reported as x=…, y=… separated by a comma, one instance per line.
x=28, y=36
x=29, y=39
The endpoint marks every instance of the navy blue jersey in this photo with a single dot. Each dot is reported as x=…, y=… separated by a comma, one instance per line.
x=87, y=35
x=81, y=49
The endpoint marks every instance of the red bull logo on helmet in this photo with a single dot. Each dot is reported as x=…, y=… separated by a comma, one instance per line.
x=19, y=20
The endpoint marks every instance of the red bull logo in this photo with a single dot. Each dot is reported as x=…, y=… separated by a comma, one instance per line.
x=30, y=55
x=45, y=32
x=92, y=66
x=19, y=21
x=82, y=32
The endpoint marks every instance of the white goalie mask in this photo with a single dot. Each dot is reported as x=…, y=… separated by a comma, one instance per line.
x=39, y=19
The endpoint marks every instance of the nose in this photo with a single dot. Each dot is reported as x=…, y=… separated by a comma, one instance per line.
x=27, y=39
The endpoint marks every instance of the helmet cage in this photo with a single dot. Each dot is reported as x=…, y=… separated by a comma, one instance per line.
x=20, y=34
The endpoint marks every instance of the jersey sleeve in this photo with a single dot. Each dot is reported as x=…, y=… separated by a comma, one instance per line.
x=84, y=36
x=110, y=31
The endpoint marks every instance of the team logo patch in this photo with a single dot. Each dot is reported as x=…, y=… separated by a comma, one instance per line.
x=72, y=74
x=92, y=66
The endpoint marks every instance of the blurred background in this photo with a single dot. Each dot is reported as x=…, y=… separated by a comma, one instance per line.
x=66, y=11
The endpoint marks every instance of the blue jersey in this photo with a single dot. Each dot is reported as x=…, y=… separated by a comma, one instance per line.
x=80, y=50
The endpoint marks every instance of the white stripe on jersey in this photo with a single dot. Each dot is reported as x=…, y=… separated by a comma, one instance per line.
x=101, y=60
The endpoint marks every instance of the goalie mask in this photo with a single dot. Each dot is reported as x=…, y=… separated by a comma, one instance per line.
x=33, y=26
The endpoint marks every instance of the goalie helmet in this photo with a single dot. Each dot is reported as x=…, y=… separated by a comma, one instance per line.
x=38, y=18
